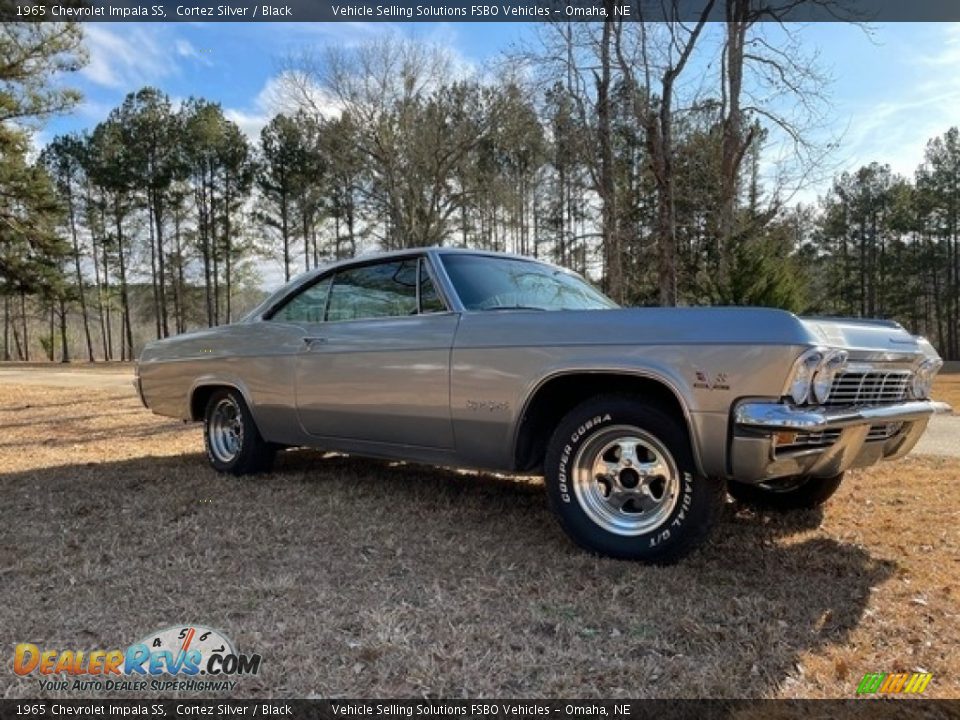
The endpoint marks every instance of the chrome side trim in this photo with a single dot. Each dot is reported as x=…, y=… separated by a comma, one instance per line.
x=778, y=416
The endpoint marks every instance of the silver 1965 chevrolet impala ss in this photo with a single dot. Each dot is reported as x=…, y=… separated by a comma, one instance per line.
x=640, y=419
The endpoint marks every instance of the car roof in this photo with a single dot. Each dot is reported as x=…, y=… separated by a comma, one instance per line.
x=309, y=276
x=411, y=252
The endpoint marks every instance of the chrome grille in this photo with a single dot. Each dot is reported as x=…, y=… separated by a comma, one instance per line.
x=875, y=387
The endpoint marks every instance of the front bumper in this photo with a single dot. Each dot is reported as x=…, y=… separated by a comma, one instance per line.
x=822, y=441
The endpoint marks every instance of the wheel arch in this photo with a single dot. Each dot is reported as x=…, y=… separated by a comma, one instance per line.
x=202, y=390
x=558, y=393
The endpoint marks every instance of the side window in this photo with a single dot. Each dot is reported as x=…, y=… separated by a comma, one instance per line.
x=430, y=301
x=309, y=305
x=384, y=290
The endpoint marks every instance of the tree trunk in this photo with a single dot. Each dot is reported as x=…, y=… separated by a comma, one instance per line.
x=106, y=301
x=350, y=235
x=336, y=236
x=64, y=349
x=153, y=280
x=161, y=267
x=52, y=332
x=177, y=282
x=16, y=341
x=23, y=321
x=227, y=257
x=215, y=260
x=79, y=275
x=305, y=222
x=611, y=234
x=95, y=250
x=126, y=345
x=6, y=328
x=658, y=123
x=666, y=222
x=285, y=233
x=203, y=229
x=733, y=144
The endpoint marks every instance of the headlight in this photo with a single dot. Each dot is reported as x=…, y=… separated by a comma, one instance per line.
x=823, y=379
x=923, y=377
x=803, y=374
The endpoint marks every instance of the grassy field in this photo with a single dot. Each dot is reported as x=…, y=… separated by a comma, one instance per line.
x=947, y=389
x=359, y=578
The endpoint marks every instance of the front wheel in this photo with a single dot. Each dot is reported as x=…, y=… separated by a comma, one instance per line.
x=785, y=494
x=622, y=482
x=231, y=438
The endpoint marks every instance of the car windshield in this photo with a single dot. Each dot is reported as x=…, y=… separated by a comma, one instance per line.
x=484, y=282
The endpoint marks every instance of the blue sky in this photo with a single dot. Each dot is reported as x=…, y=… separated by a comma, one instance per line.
x=893, y=88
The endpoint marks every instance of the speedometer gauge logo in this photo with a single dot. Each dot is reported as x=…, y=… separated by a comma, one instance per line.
x=188, y=650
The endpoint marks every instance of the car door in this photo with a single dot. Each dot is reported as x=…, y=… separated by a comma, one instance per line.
x=378, y=367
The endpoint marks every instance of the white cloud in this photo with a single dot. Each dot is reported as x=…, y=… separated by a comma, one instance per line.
x=37, y=142
x=250, y=122
x=948, y=54
x=94, y=111
x=121, y=60
x=896, y=129
x=273, y=99
x=126, y=57
x=185, y=49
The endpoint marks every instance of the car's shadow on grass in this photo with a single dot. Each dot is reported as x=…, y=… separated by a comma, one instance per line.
x=365, y=578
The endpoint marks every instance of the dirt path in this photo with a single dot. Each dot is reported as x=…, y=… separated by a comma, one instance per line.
x=941, y=438
x=54, y=376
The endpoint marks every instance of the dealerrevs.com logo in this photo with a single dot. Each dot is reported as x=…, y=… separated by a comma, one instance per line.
x=180, y=657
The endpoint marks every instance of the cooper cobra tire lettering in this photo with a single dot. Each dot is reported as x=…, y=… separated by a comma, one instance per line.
x=567, y=449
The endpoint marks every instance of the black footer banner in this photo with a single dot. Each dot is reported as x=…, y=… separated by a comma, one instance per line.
x=868, y=709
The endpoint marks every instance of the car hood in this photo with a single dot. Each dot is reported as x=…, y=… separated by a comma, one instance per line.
x=875, y=337
x=707, y=325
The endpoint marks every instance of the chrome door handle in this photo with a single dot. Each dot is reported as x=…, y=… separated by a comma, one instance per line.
x=310, y=341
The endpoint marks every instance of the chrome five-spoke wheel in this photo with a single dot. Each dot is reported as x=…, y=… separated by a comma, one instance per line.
x=625, y=480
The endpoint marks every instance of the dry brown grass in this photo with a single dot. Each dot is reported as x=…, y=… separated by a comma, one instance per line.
x=946, y=388
x=361, y=578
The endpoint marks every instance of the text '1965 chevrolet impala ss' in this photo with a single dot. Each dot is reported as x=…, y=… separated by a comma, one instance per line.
x=640, y=419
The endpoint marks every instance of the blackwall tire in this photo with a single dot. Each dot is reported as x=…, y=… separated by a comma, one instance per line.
x=231, y=438
x=622, y=481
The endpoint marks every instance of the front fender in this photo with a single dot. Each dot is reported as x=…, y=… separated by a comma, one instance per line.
x=659, y=374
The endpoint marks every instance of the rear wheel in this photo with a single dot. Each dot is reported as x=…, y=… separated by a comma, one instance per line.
x=231, y=438
x=622, y=481
x=784, y=494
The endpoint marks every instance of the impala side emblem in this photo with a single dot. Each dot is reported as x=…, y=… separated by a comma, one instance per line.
x=488, y=405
